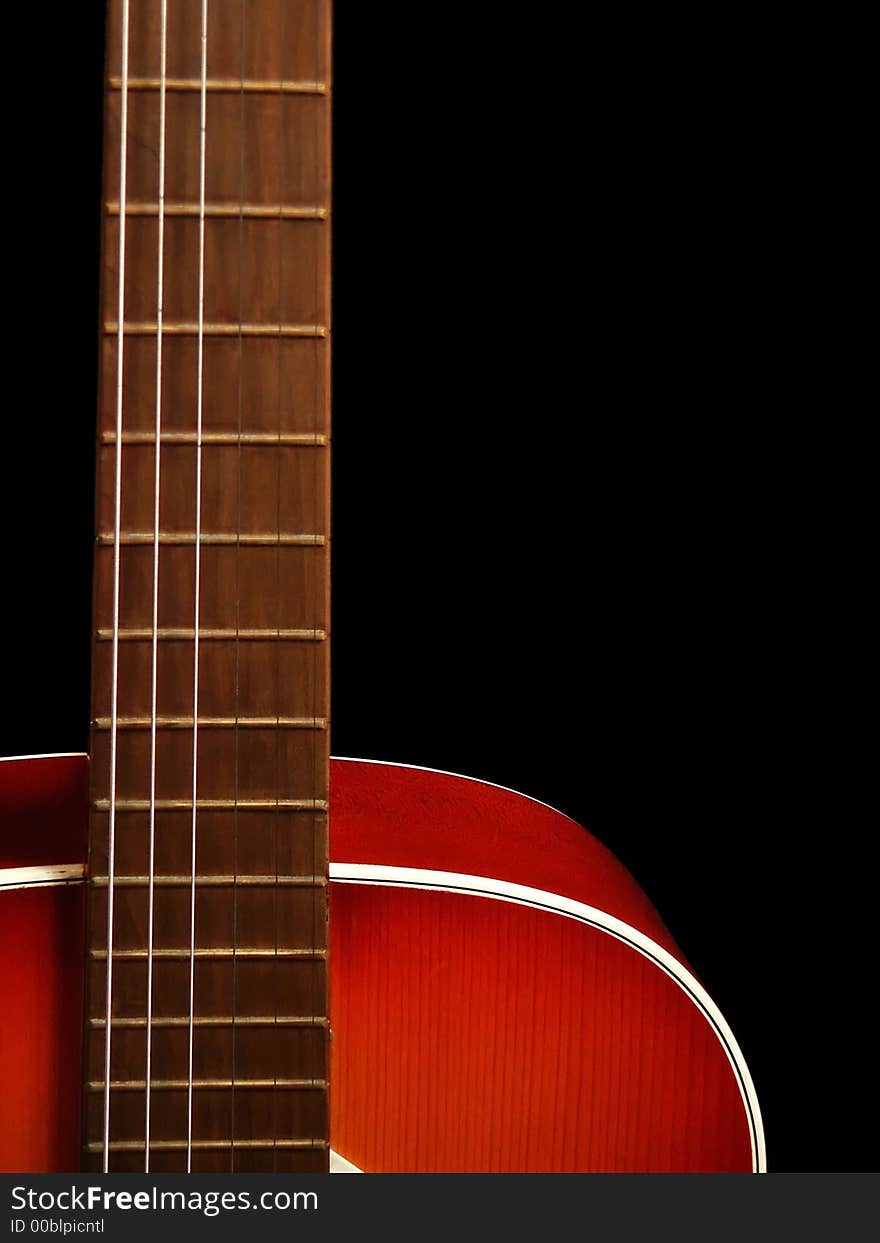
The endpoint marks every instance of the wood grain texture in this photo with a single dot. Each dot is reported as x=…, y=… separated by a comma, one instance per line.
x=475, y=1036
x=260, y=497
x=413, y=817
x=472, y=1034
x=41, y=935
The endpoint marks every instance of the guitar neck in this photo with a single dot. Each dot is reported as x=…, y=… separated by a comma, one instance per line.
x=206, y=1012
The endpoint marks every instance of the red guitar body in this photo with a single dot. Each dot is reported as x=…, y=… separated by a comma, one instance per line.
x=503, y=996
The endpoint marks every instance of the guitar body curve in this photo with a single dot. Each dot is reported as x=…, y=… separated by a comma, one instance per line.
x=503, y=996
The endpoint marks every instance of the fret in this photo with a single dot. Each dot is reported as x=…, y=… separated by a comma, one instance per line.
x=244, y=593
x=218, y=952
x=213, y=722
x=178, y=1085
x=214, y=804
x=265, y=248
x=219, y=538
x=202, y=880
x=298, y=439
x=168, y=634
x=297, y=670
x=255, y=494
x=223, y=1020
x=222, y=86
x=205, y=1145
x=282, y=175
x=284, y=383
x=224, y=211
x=184, y=329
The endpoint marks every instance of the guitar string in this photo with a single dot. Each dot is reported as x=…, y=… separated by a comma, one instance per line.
x=278, y=601
x=318, y=14
x=237, y=671
x=114, y=706
x=320, y=745
x=318, y=362
x=155, y=653
x=198, y=531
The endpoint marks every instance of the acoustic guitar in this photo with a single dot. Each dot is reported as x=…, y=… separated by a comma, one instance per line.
x=180, y=933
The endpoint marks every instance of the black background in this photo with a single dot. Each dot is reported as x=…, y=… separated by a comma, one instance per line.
x=589, y=537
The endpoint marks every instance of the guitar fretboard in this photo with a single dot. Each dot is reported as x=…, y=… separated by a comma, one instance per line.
x=207, y=978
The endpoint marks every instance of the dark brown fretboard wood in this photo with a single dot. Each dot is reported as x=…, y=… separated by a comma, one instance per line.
x=210, y=698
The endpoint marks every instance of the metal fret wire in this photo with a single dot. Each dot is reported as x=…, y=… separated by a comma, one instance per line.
x=155, y=657
x=111, y=848
x=199, y=397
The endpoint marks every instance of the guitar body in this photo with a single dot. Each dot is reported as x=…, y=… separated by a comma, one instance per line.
x=43, y=820
x=503, y=996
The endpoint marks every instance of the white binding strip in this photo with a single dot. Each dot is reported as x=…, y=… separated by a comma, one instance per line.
x=198, y=531
x=47, y=755
x=541, y=899
x=38, y=877
x=157, y=477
